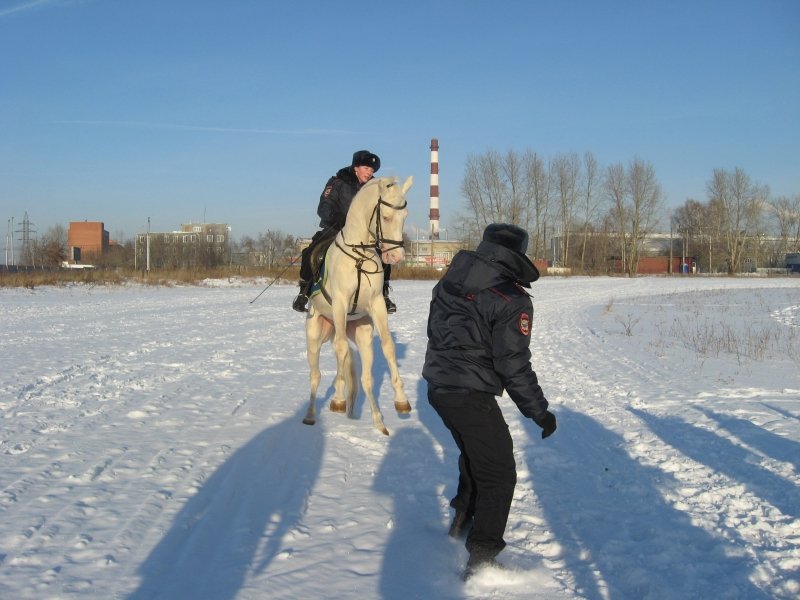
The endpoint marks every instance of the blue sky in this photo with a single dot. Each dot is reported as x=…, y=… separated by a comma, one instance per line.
x=238, y=111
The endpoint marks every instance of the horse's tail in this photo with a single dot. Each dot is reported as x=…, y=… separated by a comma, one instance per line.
x=350, y=382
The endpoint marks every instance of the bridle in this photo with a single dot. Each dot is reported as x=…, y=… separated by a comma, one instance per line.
x=364, y=252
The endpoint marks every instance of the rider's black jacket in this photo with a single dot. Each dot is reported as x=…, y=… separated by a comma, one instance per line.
x=335, y=199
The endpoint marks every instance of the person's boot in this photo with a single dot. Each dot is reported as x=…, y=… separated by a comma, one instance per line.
x=478, y=561
x=300, y=302
x=391, y=307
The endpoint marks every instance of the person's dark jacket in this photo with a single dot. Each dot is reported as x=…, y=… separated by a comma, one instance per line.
x=334, y=202
x=479, y=328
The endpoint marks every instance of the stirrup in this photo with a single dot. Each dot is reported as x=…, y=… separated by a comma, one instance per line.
x=391, y=307
x=299, y=303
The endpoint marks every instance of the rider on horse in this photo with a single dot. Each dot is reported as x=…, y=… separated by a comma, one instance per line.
x=334, y=203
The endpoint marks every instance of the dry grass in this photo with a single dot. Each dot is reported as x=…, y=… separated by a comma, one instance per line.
x=169, y=277
x=416, y=273
x=747, y=329
x=35, y=279
x=750, y=325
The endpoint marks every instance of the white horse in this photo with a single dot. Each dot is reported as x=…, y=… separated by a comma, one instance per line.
x=351, y=301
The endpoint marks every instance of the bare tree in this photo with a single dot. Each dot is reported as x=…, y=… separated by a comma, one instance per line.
x=513, y=174
x=565, y=173
x=588, y=202
x=502, y=189
x=786, y=212
x=275, y=245
x=483, y=188
x=50, y=249
x=635, y=200
x=697, y=226
x=615, y=192
x=645, y=204
x=245, y=251
x=538, y=179
x=739, y=200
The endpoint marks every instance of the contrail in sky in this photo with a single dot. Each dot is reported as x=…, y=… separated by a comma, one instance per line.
x=24, y=6
x=145, y=125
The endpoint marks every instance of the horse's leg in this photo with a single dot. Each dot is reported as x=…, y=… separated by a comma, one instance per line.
x=316, y=335
x=381, y=322
x=363, y=335
x=350, y=381
x=342, y=347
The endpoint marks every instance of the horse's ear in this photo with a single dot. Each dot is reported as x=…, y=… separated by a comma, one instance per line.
x=407, y=184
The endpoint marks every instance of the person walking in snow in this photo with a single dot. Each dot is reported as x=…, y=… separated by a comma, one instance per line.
x=479, y=329
x=334, y=202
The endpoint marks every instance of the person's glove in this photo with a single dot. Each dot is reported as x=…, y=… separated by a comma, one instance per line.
x=548, y=424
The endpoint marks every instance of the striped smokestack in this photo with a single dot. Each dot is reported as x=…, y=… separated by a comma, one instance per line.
x=434, y=214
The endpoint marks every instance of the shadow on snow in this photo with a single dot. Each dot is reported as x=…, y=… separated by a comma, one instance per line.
x=236, y=522
x=619, y=537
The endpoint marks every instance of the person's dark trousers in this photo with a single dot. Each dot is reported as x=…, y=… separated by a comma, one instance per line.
x=307, y=274
x=487, y=471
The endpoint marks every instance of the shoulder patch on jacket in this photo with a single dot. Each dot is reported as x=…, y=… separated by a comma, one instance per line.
x=524, y=324
x=328, y=189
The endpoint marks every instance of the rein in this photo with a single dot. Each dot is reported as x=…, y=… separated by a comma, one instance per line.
x=358, y=252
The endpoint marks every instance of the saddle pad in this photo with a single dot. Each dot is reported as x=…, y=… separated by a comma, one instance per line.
x=320, y=282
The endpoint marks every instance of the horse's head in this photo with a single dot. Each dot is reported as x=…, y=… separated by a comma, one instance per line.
x=376, y=218
x=391, y=213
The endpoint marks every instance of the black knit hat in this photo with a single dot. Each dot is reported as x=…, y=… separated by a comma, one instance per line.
x=510, y=236
x=365, y=158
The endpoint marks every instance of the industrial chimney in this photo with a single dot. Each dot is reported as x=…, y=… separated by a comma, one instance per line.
x=434, y=214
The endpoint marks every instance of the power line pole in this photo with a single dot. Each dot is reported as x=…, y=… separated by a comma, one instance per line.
x=148, y=244
x=26, y=253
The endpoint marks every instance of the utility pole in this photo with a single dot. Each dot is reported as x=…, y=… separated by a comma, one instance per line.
x=671, y=222
x=709, y=251
x=148, y=244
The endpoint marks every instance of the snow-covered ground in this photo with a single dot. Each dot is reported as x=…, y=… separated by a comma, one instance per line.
x=151, y=446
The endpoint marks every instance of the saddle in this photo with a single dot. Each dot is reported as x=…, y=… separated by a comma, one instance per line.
x=319, y=281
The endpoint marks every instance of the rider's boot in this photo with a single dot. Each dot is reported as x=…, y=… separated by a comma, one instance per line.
x=299, y=303
x=391, y=307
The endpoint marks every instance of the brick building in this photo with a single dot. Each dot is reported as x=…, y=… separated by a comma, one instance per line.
x=86, y=241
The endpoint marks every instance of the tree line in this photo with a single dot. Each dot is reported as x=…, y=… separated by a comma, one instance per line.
x=579, y=214
x=270, y=249
x=586, y=217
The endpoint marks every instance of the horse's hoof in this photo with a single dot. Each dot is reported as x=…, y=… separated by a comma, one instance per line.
x=402, y=407
x=338, y=406
x=308, y=421
x=385, y=431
